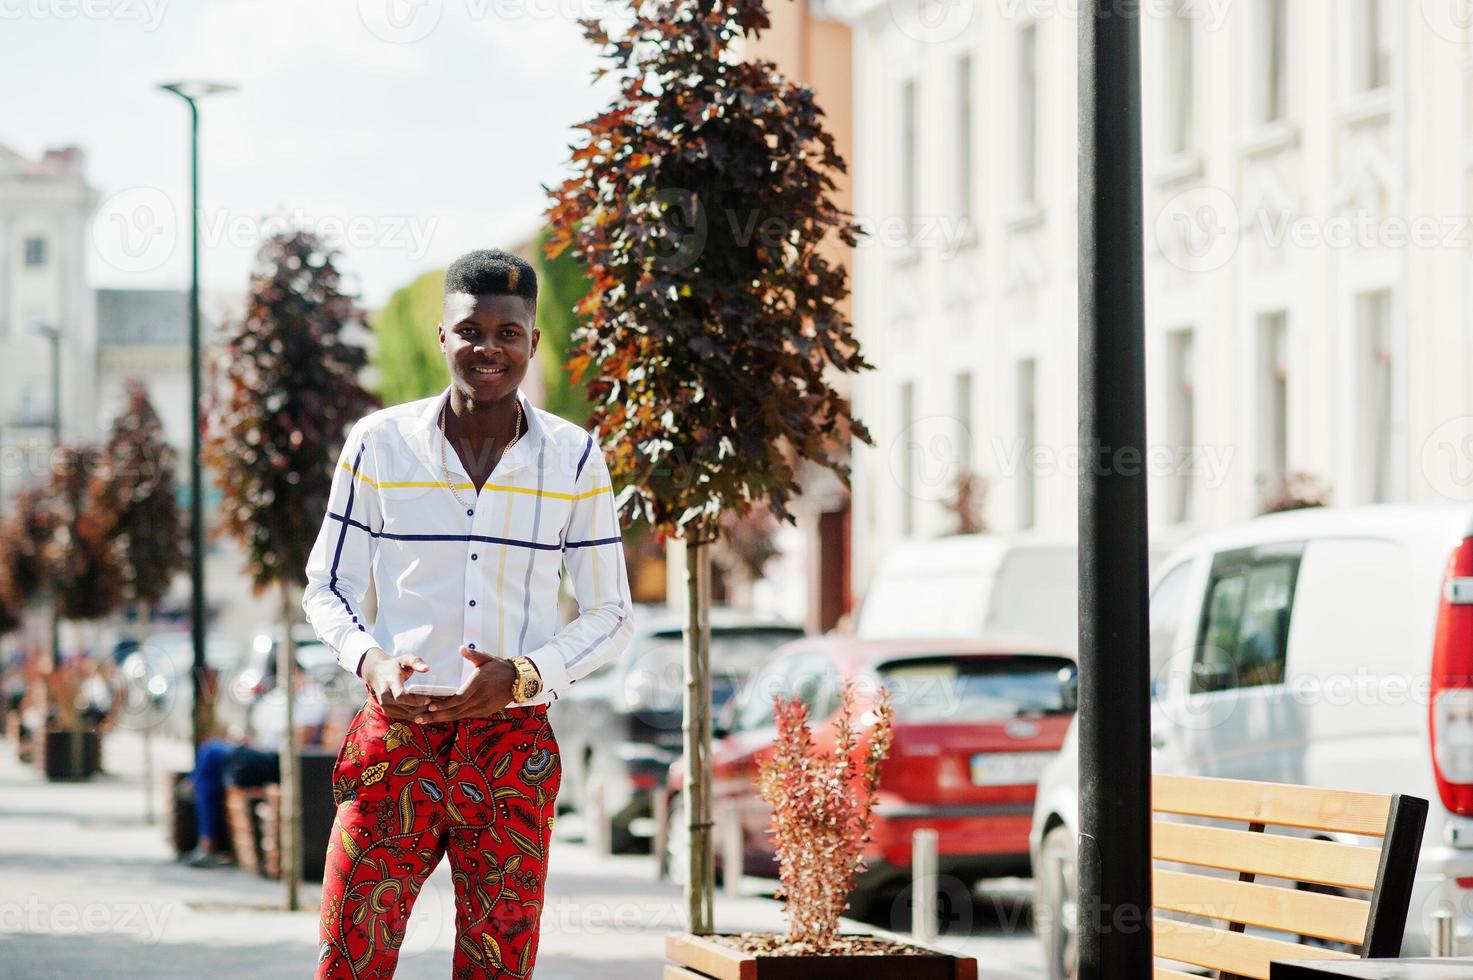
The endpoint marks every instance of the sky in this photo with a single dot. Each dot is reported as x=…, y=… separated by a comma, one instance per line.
x=406, y=131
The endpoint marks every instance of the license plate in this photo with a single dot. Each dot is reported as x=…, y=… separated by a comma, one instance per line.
x=1008, y=768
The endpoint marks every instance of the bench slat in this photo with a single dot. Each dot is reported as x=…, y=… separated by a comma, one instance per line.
x=1267, y=906
x=1272, y=803
x=1162, y=973
x=1236, y=952
x=1272, y=855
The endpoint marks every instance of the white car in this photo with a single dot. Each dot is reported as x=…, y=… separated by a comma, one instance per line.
x=1327, y=647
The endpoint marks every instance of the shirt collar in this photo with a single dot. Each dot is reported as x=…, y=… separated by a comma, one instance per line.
x=522, y=454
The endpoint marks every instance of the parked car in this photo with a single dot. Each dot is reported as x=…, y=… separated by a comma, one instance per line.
x=619, y=728
x=976, y=720
x=1325, y=647
x=255, y=682
x=158, y=689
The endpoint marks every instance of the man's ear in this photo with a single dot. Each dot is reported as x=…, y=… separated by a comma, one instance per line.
x=536, y=336
x=440, y=333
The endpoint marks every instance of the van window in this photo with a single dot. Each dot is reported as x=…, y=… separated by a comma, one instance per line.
x=1166, y=609
x=1244, y=636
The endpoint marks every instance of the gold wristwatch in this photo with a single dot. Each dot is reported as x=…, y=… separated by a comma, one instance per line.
x=528, y=683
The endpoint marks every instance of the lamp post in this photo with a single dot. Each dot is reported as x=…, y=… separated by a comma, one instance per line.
x=53, y=336
x=191, y=92
x=1114, y=907
x=74, y=740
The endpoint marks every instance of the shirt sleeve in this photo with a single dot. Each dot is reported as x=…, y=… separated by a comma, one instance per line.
x=339, y=566
x=593, y=554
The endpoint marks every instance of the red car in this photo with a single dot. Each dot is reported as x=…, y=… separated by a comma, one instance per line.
x=976, y=720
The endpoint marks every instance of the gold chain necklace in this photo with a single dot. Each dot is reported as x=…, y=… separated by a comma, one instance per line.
x=444, y=439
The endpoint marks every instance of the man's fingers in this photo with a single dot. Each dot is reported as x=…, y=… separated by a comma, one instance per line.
x=475, y=656
x=410, y=664
x=449, y=703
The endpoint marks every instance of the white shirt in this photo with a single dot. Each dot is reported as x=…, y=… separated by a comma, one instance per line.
x=486, y=576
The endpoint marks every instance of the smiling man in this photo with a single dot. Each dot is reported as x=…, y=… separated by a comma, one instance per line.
x=465, y=508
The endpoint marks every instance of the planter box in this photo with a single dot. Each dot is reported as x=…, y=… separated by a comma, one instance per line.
x=57, y=761
x=695, y=957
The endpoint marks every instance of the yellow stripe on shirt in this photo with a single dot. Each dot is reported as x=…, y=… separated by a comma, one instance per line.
x=397, y=484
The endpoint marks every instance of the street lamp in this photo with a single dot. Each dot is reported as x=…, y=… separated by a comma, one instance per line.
x=191, y=92
x=53, y=337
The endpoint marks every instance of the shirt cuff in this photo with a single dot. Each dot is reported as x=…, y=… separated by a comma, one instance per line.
x=549, y=664
x=354, y=649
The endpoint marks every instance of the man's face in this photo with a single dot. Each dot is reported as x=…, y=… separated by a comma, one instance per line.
x=488, y=342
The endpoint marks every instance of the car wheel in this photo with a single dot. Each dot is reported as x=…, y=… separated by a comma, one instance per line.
x=1056, y=904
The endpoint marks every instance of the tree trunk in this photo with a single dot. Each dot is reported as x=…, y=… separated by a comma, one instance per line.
x=290, y=823
x=144, y=616
x=696, y=731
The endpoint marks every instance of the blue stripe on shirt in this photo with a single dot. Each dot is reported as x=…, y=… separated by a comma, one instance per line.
x=338, y=554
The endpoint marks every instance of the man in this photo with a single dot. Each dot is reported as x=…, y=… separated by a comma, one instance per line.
x=466, y=507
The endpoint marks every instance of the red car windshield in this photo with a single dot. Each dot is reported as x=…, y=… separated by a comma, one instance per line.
x=945, y=689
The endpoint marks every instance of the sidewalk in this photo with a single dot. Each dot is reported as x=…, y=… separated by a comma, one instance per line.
x=87, y=889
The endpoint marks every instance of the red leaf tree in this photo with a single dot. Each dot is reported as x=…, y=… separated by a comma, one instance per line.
x=85, y=579
x=136, y=484
x=822, y=810
x=699, y=203
x=285, y=393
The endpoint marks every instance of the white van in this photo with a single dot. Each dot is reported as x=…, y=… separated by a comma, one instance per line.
x=971, y=584
x=1327, y=647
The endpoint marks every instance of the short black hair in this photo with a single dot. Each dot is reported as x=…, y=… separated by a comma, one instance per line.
x=490, y=271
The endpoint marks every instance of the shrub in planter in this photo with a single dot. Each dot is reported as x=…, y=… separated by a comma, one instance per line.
x=822, y=804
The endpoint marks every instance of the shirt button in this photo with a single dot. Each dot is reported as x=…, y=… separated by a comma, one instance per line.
x=471, y=645
x=474, y=556
x=473, y=602
x=470, y=513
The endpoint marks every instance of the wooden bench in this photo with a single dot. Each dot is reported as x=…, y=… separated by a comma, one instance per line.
x=1220, y=907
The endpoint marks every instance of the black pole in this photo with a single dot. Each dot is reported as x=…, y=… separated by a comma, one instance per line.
x=53, y=336
x=1114, y=661
x=196, y=476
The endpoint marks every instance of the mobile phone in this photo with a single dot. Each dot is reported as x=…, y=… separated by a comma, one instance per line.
x=430, y=690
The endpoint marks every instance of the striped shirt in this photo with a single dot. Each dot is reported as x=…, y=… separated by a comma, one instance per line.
x=485, y=575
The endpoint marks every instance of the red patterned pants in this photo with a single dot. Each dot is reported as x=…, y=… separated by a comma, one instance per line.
x=481, y=789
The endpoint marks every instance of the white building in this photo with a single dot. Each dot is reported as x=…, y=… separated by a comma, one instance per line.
x=1307, y=252
x=45, y=209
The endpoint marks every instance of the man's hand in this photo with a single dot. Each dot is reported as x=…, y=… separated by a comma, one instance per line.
x=385, y=677
x=488, y=689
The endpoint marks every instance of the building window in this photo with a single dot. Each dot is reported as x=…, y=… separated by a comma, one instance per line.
x=1181, y=424
x=908, y=461
x=1272, y=57
x=1370, y=45
x=1027, y=88
x=35, y=252
x=964, y=142
x=1027, y=409
x=1273, y=402
x=1373, y=324
x=909, y=153
x=1181, y=89
x=964, y=420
